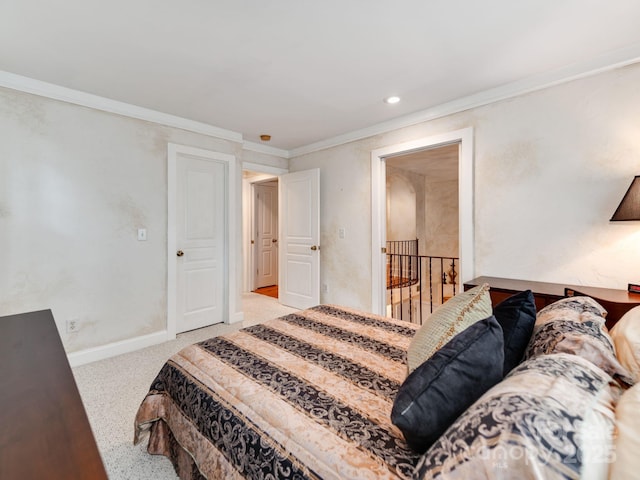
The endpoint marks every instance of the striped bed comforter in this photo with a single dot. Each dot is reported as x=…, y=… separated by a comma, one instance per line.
x=304, y=396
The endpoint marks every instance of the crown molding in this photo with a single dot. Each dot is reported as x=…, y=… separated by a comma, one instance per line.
x=69, y=95
x=267, y=149
x=602, y=63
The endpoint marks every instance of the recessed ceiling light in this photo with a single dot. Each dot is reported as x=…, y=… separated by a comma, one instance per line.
x=391, y=100
x=265, y=138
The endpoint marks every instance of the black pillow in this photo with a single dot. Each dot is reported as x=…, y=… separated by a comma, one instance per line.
x=445, y=385
x=517, y=316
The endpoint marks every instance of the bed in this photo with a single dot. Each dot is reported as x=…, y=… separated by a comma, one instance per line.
x=304, y=396
x=503, y=392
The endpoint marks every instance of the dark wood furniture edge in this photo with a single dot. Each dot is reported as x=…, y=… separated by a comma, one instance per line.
x=45, y=430
x=616, y=302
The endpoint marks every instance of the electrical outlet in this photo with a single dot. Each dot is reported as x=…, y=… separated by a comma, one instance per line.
x=73, y=326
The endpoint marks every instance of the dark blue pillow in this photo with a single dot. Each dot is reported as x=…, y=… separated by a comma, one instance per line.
x=444, y=386
x=517, y=316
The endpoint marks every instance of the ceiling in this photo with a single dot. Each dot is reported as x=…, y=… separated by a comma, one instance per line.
x=307, y=71
x=439, y=164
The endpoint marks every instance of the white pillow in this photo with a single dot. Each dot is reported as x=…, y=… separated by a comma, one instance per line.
x=626, y=340
x=626, y=464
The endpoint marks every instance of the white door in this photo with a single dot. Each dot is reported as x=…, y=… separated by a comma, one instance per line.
x=200, y=234
x=266, y=215
x=299, y=218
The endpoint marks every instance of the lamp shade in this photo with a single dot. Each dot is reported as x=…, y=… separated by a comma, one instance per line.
x=629, y=208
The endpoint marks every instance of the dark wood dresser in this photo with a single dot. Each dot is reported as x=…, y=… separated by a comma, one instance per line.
x=44, y=430
x=616, y=302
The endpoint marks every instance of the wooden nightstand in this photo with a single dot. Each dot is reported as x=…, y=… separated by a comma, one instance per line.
x=616, y=302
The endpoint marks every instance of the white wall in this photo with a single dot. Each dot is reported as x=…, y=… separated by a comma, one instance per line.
x=75, y=185
x=441, y=213
x=401, y=208
x=550, y=168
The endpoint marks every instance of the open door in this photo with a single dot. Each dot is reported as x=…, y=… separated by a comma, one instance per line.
x=299, y=217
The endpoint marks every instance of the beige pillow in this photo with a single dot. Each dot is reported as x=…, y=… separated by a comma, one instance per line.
x=626, y=339
x=626, y=463
x=446, y=322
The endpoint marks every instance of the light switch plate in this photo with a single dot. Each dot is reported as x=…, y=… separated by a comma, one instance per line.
x=142, y=234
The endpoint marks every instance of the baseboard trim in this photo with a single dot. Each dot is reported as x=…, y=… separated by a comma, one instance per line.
x=236, y=317
x=109, y=350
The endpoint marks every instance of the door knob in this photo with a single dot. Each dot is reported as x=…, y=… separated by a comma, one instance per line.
x=179, y=253
x=274, y=240
x=314, y=248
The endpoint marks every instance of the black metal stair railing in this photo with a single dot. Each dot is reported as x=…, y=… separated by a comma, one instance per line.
x=415, y=280
x=402, y=263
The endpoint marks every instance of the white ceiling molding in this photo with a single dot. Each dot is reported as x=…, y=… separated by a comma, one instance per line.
x=56, y=92
x=269, y=150
x=617, y=59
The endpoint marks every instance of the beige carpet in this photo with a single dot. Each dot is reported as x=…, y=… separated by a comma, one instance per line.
x=112, y=390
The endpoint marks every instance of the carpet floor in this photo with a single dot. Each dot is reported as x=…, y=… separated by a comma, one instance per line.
x=112, y=390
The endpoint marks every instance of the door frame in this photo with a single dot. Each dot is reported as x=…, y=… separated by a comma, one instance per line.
x=231, y=290
x=378, y=206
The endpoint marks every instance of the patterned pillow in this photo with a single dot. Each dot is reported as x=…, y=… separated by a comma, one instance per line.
x=443, y=387
x=446, y=322
x=577, y=309
x=575, y=325
x=551, y=417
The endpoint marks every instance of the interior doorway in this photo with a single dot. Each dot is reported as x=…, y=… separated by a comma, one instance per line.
x=298, y=237
x=422, y=244
x=265, y=224
x=260, y=231
x=463, y=141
